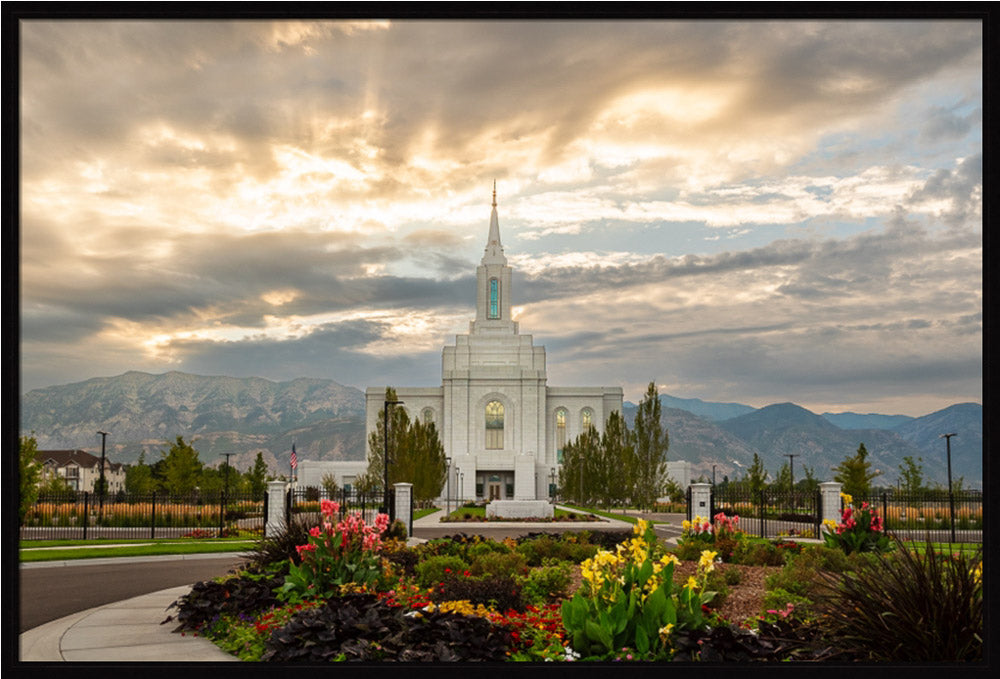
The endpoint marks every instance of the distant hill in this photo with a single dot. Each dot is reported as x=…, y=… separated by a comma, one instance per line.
x=326, y=420
x=146, y=412
x=868, y=421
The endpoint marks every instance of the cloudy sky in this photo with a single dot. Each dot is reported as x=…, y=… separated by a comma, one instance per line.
x=741, y=211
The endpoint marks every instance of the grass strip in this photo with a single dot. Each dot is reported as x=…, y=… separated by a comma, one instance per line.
x=201, y=547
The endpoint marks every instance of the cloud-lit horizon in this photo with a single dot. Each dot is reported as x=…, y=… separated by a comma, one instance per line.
x=751, y=211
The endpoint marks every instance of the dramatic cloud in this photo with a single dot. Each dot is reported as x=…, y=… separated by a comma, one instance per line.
x=748, y=211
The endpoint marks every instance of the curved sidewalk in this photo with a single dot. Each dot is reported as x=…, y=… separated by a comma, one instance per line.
x=124, y=631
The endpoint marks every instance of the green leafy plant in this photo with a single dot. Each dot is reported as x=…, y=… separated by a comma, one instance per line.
x=858, y=530
x=907, y=606
x=629, y=601
x=499, y=563
x=437, y=569
x=336, y=554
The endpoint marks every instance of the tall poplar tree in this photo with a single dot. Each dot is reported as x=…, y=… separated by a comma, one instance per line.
x=618, y=451
x=651, y=443
x=181, y=468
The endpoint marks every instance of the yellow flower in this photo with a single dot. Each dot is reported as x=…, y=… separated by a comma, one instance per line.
x=665, y=631
x=670, y=558
x=691, y=583
x=686, y=525
x=640, y=527
x=707, y=560
x=846, y=498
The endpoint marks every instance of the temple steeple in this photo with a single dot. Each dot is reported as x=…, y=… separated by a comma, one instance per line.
x=493, y=283
x=494, y=250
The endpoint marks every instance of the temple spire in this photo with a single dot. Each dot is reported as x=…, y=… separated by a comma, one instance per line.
x=494, y=249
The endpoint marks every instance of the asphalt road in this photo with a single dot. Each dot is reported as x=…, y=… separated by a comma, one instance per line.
x=50, y=593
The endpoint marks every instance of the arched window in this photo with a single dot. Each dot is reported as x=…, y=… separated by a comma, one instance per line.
x=494, y=425
x=586, y=419
x=494, y=298
x=428, y=415
x=560, y=433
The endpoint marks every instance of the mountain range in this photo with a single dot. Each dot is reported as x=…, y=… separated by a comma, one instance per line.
x=144, y=413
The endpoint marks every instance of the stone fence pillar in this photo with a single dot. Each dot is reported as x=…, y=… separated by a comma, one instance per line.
x=276, y=491
x=404, y=505
x=829, y=493
x=701, y=500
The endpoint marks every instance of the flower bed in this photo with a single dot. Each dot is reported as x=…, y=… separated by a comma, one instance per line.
x=345, y=593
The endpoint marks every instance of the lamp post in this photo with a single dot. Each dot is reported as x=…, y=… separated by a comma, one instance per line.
x=447, y=462
x=461, y=487
x=951, y=496
x=552, y=484
x=713, y=476
x=385, y=455
x=104, y=436
x=791, y=469
x=225, y=492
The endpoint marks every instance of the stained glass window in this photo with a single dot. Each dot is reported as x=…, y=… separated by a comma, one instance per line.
x=494, y=298
x=494, y=425
x=560, y=433
x=587, y=419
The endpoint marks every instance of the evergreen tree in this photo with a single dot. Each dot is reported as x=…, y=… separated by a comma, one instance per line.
x=651, y=443
x=257, y=476
x=181, y=468
x=29, y=474
x=571, y=474
x=587, y=449
x=855, y=473
x=783, y=480
x=330, y=486
x=139, y=477
x=809, y=484
x=399, y=425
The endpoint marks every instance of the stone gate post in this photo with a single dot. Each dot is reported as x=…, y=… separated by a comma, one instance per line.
x=701, y=500
x=404, y=505
x=829, y=494
x=275, y=508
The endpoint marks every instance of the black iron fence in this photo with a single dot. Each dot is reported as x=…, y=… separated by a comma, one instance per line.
x=304, y=504
x=769, y=513
x=945, y=517
x=86, y=515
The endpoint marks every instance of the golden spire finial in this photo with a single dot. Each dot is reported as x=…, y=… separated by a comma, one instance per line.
x=494, y=193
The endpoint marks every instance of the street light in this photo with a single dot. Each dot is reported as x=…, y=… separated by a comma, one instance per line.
x=447, y=462
x=104, y=436
x=791, y=469
x=225, y=491
x=713, y=476
x=951, y=496
x=385, y=456
x=552, y=484
x=461, y=487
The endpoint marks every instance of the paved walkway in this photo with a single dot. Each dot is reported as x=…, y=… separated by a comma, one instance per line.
x=130, y=630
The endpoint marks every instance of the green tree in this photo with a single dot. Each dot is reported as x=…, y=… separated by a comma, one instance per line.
x=416, y=454
x=783, y=480
x=139, y=477
x=651, y=443
x=855, y=473
x=257, y=476
x=181, y=468
x=330, y=486
x=572, y=473
x=29, y=474
x=618, y=453
x=809, y=484
x=911, y=475
x=756, y=477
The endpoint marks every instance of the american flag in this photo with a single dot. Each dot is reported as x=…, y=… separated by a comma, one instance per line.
x=294, y=459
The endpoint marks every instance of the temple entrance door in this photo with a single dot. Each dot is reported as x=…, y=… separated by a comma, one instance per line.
x=494, y=489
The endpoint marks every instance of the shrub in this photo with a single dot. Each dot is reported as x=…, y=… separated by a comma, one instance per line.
x=780, y=604
x=436, y=569
x=361, y=628
x=547, y=583
x=497, y=563
x=207, y=600
x=500, y=592
x=537, y=550
x=908, y=606
x=758, y=553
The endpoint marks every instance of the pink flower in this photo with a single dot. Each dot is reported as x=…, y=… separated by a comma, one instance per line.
x=315, y=531
x=305, y=548
x=329, y=507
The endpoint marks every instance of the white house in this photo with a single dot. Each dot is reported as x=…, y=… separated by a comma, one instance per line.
x=81, y=469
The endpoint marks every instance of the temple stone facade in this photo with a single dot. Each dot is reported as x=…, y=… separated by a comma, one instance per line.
x=500, y=422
